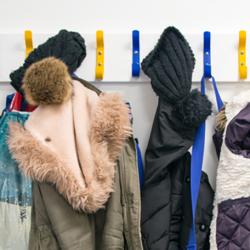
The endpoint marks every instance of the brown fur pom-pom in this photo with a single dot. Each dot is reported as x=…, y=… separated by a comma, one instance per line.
x=47, y=82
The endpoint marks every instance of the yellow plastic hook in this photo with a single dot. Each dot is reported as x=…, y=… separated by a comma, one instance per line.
x=242, y=55
x=99, y=71
x=28, y=41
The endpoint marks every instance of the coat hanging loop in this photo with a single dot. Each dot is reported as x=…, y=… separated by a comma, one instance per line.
x=99, y=55
x=242, y=55
x=136, y=53
x=28, y=42
x=207, y=55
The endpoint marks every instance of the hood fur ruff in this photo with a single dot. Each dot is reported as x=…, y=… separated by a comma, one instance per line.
x=74, y=146
x=107, y=136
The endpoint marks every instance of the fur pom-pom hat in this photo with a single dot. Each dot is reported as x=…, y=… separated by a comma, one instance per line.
x=47, y=82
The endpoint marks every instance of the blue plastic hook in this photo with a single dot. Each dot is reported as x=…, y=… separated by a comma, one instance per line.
x=207, y=55
x=136, y=53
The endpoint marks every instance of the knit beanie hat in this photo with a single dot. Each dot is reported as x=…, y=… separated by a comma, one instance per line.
x=66, y=46
x=170, y=67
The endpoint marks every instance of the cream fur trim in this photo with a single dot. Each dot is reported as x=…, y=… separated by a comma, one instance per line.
x=110, y=128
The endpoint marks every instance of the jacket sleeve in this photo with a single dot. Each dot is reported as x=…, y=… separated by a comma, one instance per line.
x=180, y=180
x=164, y=154
x=55, y=225
x=119, y=223
x=110, y=222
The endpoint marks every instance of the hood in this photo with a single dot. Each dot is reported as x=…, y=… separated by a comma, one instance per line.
x=72, y=144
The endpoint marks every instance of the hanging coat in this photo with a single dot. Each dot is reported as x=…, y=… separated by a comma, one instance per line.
x=78, y=149
x=166, y=198
x=15, y=192
x=230, y=228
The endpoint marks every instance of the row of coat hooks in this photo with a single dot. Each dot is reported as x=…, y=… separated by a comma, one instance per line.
x=135, y=69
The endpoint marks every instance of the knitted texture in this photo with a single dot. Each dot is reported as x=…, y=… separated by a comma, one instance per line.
x=193, y=109
x=67, y=46
x=170, y=67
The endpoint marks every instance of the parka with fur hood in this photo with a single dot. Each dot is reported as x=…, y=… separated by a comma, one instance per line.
x=77, y=148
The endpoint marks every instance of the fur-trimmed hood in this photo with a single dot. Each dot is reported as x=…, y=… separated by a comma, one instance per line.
x=74, y=145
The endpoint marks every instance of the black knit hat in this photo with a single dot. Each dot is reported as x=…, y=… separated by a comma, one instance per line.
x=67, y=46
x=170, y=67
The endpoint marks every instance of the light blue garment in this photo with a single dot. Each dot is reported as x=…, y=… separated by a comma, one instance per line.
x=15, y=193
x=15, y=188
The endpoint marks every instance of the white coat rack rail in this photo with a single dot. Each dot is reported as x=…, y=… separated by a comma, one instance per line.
x=118, y=55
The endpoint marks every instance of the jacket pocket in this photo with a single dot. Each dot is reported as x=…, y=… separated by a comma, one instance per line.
x=233, y=224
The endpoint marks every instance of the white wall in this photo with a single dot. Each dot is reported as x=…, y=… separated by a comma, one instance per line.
x=114, y=16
